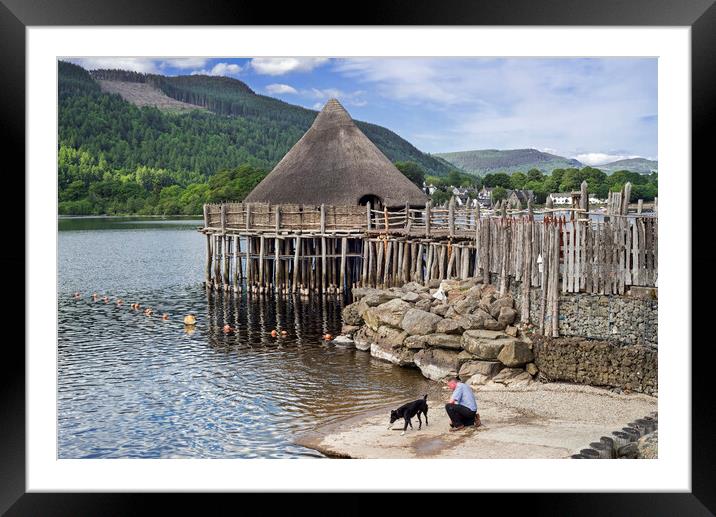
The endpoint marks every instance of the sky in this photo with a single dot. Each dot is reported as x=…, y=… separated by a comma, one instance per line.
x=594, y=109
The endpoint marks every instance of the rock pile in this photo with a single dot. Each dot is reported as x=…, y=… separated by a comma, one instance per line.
x=461, y=328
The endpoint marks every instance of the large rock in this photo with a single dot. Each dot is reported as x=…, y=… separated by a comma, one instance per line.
x=532, y=369
x=349, y=330
x=351, y=315
x=343, y=341
x=515, y=353
x=389, y=336
x=484, y=348
x=414, y=287
x=448, y=326
x=410, y=297
x=493, y=324
x=415, y=342
x=424, y=304
x=467, y=305
x=440, y=309
x=470, y=321
x=417, y=322
x=487, y=334
x=486, y=301
x=436, y=363
x=486, y=368
x=497, y=305
x=450, y=341
x=507, y=316
x=648, y=446
x=515, y=377
x=364, y=337
x=400, y=356
x=374, y=297
x=390, y=313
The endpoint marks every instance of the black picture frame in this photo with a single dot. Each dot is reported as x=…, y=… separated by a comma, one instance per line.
x=16, y=15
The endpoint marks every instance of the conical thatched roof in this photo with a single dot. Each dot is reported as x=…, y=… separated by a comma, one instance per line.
x=336, y=164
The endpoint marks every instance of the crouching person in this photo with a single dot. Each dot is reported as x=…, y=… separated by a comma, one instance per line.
x=462, y=408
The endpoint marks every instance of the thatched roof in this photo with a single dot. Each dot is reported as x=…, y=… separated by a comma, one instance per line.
x=336, y=164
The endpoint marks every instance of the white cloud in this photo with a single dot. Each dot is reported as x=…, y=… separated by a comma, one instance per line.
x=601, y=158
x=227, y=69
x=139, y=64
x=278, y=89
x=135, y=64
x=355, y=98
x=577, y=105
x=284, y=65
x=184, y=62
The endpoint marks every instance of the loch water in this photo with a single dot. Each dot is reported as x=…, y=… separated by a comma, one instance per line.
x=132, y=386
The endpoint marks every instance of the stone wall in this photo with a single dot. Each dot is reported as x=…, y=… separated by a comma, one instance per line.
x=597, y=363
x=631, y=319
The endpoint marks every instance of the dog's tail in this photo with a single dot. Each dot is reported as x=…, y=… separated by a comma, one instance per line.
x=425, y=397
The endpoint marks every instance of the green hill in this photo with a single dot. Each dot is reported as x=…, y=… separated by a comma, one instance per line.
x=487, y=161
x=640, y=165
x=181, y=141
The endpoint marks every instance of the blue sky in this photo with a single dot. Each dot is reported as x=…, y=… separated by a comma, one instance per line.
x=593, y=109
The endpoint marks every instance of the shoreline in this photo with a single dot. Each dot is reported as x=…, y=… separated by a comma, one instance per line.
x=550, y=420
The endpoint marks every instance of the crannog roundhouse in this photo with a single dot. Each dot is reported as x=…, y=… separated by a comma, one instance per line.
x=336, y=164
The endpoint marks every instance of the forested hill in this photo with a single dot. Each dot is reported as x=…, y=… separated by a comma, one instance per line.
x=241, y=127
x=486, y=161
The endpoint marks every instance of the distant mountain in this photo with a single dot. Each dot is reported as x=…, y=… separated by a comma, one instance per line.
x=640, y=165
x=204, y=123
x=485, y=161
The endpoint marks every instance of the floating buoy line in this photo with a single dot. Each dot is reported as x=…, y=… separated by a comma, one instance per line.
x=189, y=320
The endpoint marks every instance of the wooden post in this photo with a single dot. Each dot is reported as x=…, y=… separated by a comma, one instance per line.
x=278, y=218
x=584, y=198
x=555, y=285
x=451, y=219
x=324, y=283
x=527, y=271
x=368, y=215
x=209, y=253
x=640, y=205
x=248, y=216
x=408, y=221
x=217, y=260
x=227, y=263
x=344, y=245
x=427, y=219
x=261, y=261
x=656, y=206
x=626, y=197
x=323, y=218
x=276, y=260
x=296, y=264
x=238, y=275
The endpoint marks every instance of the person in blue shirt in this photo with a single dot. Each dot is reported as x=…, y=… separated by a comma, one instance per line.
x=462, y=408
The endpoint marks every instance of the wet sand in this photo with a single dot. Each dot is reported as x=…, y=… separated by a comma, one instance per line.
x=552, y=420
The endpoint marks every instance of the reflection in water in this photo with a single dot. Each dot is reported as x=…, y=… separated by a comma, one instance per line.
x=138, y=386
x=132, y=386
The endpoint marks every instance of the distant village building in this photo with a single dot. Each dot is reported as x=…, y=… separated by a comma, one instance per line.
x=336, y=164
x=518, y=199
x=561, y=198
x=515, y=198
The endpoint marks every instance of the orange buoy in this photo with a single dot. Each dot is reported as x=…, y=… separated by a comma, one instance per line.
x=227, y=328
x=284, y=333
x=148, y=311
x=274, y=333
x=327, y=337
x=105, y=299
x=189, y=320
x=165, y=316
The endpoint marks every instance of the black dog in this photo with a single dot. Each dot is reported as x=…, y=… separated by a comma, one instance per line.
x=408, y=411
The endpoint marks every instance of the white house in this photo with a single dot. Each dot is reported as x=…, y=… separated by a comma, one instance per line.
x=561, y=198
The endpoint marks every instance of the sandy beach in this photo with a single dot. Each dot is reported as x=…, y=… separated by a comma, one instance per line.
x=551, y=420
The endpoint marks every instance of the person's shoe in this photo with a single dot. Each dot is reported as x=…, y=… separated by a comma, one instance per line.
x=477, y=421
x=457, y=428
